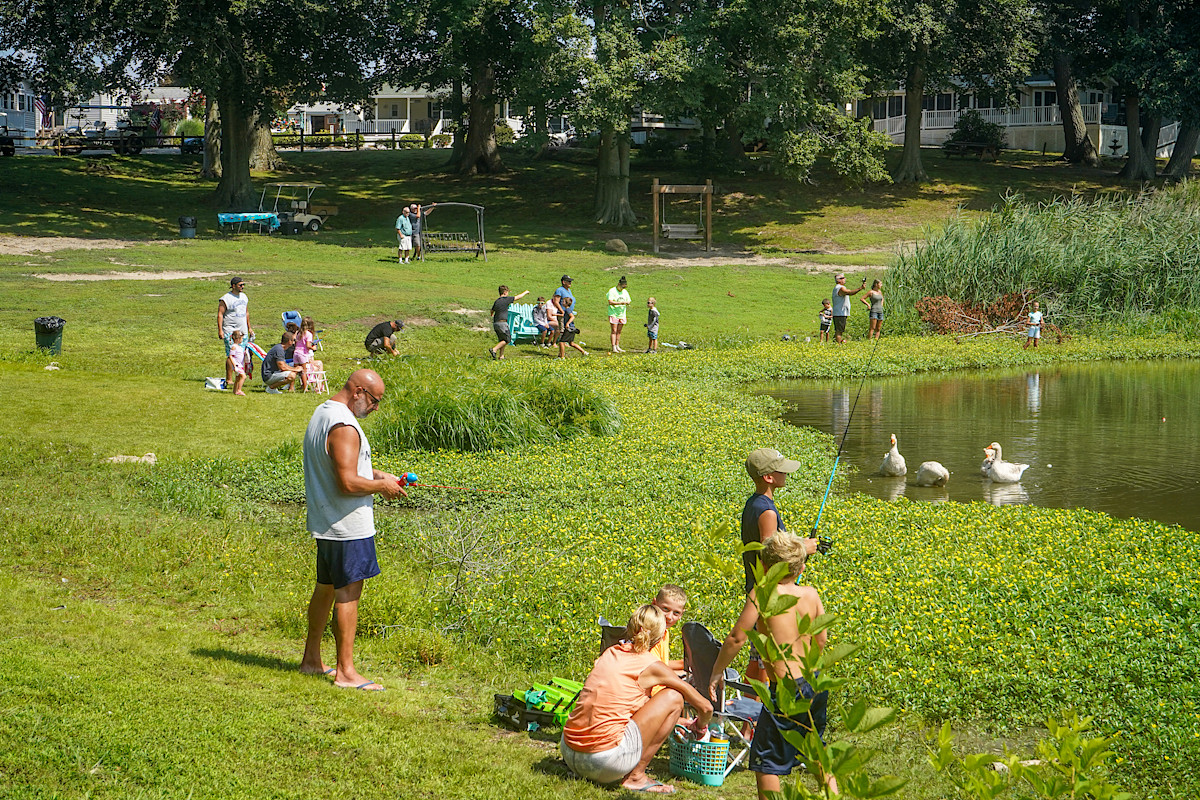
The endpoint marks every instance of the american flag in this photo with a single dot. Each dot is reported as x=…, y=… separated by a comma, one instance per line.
x=45, y=116
x=155, y=120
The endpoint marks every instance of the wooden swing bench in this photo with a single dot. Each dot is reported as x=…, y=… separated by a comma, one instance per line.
x=681, y=230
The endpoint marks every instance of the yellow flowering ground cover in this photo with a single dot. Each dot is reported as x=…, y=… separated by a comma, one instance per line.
x=999, y=616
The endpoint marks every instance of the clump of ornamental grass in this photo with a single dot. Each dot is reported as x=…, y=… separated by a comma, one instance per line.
x=466, y=407
x=1088, y=261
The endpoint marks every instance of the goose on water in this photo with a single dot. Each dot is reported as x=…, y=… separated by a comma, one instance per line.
x=893, y=465
x=1002, y=471
x=931, y=473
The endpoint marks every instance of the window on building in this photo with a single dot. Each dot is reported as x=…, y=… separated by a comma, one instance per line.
x=1045, y=98
x=895, y=107
x=945, y=101
x=395, y=111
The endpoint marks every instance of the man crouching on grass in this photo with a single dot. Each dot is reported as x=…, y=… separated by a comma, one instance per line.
x=772, y=756
x=339, y=484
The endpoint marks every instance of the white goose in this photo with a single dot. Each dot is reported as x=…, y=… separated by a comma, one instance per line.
x=1002, y=471
x=989, y=455
x=893, y=465
x=932, y=473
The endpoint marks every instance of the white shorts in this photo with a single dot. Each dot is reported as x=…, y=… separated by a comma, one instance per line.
x=606, y=766
x=405, y=242
x=1034, y=332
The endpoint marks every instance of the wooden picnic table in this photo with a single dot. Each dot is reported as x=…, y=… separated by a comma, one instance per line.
x=981, y=149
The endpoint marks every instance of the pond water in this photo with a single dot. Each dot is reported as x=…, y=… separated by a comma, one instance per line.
x=1123, y=438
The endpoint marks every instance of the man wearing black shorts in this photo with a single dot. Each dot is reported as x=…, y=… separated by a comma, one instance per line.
x=339, y=489
x=841, y=306
x=500, y=321
x=382, y=338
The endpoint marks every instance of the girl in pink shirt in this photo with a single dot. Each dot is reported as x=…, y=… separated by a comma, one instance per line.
x=303, y=352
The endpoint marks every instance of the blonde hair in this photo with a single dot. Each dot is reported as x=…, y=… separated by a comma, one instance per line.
x=645, y=628
x=786, y=548
x=672, y=592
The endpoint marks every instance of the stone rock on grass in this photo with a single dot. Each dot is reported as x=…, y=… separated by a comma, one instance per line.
x=616, y=246
x=149, y=458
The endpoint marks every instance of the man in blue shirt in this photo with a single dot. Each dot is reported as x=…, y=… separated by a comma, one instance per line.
x=404, y=231
x=564, y=301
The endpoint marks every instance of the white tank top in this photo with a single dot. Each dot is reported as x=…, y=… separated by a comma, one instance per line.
x=332, y=514
x=235, y=313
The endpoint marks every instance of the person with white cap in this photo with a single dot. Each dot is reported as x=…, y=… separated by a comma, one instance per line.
x=761, y=520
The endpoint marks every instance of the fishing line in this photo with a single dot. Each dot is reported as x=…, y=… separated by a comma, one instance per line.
x=826, y=543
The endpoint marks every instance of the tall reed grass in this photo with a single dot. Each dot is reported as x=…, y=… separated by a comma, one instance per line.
x=460, y=406
x=1088, y=261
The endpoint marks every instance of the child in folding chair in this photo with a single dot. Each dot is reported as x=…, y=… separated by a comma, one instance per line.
x=670, y=600
x=772, y=756
x=616, y=727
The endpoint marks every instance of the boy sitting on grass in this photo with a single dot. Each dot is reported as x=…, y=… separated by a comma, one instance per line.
x=770, y=754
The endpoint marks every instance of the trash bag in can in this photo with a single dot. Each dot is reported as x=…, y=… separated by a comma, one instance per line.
x=187, y=227
x=48, y=333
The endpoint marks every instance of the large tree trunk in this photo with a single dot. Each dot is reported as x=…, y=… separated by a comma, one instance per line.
x=480, y=153
x=910, y=170
x=735, y=149
x=1079, y=148
x=212, y=139
x=1151, y=128
x=459, y=141
x=235, y=192
x=263, y=155
x=541, y=126
x=612, y=180
x=1185, y=148
x=1139, y=165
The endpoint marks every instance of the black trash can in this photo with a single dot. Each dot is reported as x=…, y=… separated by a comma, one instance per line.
x=187, y=227
x=48, y=332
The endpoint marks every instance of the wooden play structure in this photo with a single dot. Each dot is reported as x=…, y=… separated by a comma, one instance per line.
x=681, y=230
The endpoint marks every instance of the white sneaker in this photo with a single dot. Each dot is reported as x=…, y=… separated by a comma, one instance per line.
x=273, y=391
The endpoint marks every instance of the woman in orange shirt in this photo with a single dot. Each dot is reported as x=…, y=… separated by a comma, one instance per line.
x=616, y=727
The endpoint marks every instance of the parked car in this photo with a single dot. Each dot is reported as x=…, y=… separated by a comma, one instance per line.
x=192, y=144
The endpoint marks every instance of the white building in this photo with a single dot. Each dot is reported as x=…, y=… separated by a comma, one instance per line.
x=1033, y=123
x=18, y=110
x=391, y=110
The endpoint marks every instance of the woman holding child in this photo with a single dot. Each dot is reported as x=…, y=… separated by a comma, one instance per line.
x=616, y=727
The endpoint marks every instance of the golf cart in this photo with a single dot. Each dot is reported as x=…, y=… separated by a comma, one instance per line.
x=293, y=205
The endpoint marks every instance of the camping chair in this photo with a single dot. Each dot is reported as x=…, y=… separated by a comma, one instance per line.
x=295, y=316
x=609, y=634
x=700, y=651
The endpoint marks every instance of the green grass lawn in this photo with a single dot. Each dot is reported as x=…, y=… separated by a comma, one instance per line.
x=543, y=206
x=154, y=613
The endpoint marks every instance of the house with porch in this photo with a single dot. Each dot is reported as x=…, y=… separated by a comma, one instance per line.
x=1032, y=122
x=391, y=110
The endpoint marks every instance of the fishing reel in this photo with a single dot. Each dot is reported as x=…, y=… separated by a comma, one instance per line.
x=824, y=544
x=407, y=479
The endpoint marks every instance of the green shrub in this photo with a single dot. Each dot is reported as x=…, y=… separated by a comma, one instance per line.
x=505, y=135
x=190, y=127
x=411, y=141
x=440, y=140
x=659, y=150
x=469, y=408
x=972, y=127
x=1087, y=261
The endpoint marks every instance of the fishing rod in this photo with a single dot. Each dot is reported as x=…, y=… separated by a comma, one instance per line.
x=411, y=479
x=825, y=543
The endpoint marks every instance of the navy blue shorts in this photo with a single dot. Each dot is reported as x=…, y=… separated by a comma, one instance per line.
x=344, y=563
x=770, y=753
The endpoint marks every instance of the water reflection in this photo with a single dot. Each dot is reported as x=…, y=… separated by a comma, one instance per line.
x=1004, y=494
x=1122, y=437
